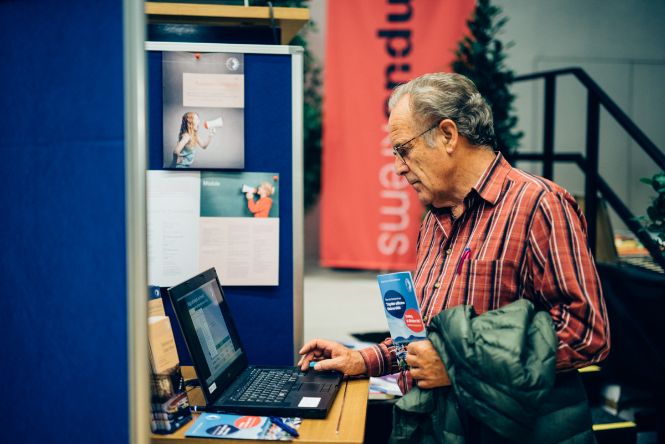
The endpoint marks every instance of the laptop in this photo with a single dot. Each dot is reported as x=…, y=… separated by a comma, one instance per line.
x=229, y=384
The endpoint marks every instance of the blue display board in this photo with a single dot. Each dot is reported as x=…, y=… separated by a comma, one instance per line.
x=264, y=315
x=63, y=320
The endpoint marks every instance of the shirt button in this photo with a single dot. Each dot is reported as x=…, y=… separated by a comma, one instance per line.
x=449, y=250
x=437, y=285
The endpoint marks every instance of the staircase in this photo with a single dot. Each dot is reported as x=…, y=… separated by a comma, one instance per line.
x=635, y=297
x=588, y=163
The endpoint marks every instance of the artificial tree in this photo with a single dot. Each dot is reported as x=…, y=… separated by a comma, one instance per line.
x=481, y=57
x=311, y=109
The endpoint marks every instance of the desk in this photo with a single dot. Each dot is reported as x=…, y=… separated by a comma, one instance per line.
x=312, y=431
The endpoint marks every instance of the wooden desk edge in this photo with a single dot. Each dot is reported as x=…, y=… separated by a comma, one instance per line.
x=312, y=431
x=289, y=19
x=228, y=11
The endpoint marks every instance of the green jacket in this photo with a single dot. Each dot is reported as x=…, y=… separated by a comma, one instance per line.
x=504, y=385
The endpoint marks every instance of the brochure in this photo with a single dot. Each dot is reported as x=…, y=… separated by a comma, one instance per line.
x=402, y=311
x=222, y=425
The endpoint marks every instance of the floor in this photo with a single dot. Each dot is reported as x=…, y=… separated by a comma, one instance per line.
x=340, y=302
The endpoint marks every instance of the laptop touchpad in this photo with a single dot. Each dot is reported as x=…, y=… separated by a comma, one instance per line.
x=309, y=387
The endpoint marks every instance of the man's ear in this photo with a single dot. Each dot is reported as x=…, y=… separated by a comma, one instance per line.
x=449, y=133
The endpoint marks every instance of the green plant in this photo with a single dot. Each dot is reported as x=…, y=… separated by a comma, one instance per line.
x=654, y=221
x=311, y=121
x=311, y=110
x=481, y=57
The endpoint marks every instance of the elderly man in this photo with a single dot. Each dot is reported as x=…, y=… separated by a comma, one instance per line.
x=493, y=235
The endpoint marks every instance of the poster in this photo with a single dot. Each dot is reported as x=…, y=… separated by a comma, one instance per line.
x=203, y=219
x=203, y=110
x=373, y=46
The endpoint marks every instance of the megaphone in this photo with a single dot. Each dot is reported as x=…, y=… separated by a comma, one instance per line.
x=247, y=189
x=210, y=124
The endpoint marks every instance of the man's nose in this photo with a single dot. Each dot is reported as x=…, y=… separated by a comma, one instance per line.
x=401, y=167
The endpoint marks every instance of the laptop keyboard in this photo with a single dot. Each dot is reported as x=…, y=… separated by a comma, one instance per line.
x=266, y=385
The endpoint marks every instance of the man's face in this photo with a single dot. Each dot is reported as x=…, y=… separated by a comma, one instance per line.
x=425, y=168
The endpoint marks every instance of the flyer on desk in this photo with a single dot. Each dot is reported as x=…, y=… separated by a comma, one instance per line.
x=222, y=425
x=402, y=311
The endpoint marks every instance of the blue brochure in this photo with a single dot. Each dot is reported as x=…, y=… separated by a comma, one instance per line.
x=402, y=311
x=222, y=425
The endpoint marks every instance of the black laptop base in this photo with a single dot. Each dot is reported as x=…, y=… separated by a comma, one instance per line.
x=308, y=388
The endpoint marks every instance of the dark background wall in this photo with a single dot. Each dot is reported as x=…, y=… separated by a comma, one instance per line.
x=62, y=236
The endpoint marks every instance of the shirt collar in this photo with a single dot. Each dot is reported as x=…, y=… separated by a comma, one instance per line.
x=490, y=184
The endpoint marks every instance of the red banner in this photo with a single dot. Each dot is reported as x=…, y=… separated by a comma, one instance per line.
x=369, y=215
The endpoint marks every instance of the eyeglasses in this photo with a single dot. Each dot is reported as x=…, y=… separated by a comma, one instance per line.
x=401, y=151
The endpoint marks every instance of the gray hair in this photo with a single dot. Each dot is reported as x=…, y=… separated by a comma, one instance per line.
x=438, y=96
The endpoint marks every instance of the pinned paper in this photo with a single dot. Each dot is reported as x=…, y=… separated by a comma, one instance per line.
x=163, y=353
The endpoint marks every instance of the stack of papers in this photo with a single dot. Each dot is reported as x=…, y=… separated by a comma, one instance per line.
x=384, y=387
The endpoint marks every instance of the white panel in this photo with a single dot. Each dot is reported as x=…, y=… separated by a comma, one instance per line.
x=649, y=111
x=297, y=100
x=590, y=28
x=220, y=47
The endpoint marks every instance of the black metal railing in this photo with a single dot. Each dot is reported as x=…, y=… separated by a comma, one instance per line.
x=593, y=182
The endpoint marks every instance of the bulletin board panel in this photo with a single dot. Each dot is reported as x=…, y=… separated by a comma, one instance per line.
x=269, y=318
x=62, y=243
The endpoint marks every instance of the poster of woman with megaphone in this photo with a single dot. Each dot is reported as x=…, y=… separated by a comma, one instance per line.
x=189, y=140
x=203, y=110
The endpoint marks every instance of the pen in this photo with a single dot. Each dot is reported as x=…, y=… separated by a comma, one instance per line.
x=341, y=409
x=279, y=423
x=465, y=255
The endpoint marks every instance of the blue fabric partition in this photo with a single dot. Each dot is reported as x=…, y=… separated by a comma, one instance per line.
x=264, y=315
x=63, y=319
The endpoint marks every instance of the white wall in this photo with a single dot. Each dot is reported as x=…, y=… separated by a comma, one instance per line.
x=621, y=44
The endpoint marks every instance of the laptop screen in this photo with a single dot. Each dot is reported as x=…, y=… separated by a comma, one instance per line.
x=218, y=348
x=209, y=332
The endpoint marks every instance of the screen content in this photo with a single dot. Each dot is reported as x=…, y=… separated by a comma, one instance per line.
x=212, y=332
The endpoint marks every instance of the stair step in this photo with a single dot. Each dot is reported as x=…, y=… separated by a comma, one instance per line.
x=609, y=428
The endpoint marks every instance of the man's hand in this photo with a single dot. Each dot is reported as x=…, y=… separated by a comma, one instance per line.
x=426, y=366
x=331, y=356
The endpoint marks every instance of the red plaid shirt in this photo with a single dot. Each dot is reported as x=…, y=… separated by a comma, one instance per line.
x=526, y=238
